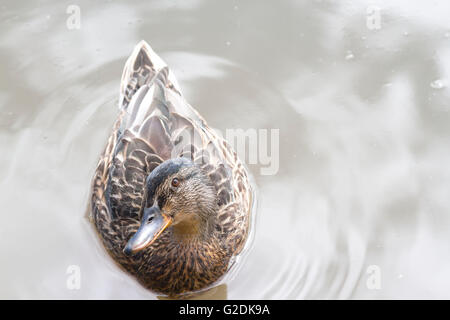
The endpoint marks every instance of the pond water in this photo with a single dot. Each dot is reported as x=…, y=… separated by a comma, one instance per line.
x=359, y=205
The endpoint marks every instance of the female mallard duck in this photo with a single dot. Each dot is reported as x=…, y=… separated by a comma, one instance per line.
x=170, y=200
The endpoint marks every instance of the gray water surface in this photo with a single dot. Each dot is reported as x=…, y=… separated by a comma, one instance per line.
x=363, y=114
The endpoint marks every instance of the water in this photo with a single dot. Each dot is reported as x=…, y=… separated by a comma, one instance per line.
x=363, y=115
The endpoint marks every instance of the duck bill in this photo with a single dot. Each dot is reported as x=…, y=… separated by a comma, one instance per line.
x=152, y=225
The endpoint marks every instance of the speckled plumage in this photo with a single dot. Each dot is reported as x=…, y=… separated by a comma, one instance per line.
x=156, y=124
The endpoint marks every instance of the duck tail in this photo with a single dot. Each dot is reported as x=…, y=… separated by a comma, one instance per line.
x=141, y=68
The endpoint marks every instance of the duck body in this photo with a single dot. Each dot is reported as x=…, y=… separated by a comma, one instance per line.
x=170, y=201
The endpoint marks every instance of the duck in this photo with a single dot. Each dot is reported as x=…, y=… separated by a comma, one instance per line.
x=170, y=201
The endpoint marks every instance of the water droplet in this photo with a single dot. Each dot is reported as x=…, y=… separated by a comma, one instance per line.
x=437, y=84
x=406, y=33
x=228, y=43
x=349, y=56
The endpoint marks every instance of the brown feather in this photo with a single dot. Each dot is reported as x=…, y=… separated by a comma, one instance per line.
x=152, y=127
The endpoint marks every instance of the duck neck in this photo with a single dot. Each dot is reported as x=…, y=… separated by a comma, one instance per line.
x=193, y=228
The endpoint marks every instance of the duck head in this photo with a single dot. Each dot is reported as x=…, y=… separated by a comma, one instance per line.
x=178, y=195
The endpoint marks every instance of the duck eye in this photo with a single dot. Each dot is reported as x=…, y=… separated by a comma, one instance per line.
x=175, y=182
